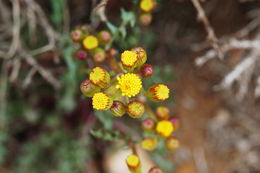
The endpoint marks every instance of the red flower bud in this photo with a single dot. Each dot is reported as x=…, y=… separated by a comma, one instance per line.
x=76, y=35
x=146, y=18
x=146, y=70
x=148, y=124
x=155, y=170
x=81, y=54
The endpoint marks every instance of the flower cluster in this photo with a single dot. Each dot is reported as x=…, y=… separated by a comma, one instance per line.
x=146, y=7
x=161, y=127
x=119, y=93
x=91, y=44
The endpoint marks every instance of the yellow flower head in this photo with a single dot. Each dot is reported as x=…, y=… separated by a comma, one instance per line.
x=158, y=92
x=101, y=101
x=132, y=161
x=129, y=84
x=135, y=109
x=147, y=5
x=100, y=77
x=149, y=144
x=172, y=143
x=128, y=60
x=90, y=42
x=164, y=128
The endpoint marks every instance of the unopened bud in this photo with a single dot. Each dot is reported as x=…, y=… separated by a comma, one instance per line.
x=81, y=54
x=135, y=109
x=104, y=37
x=146, y=70
x=149, y=144
x=88, y=89
x=141, y=56
x=100, y=77
x=118, y=108
x=175, y=121
x=162, y=112
x=99, y=55
x=155, y=170
x=148, y=124
x=146, y=18
x=76, y=35
x=172, y=144
x=158, y=92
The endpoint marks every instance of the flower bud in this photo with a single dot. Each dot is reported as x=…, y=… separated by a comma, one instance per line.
x=118, y=108
x=135, y=109
x=162, y=112
x=129, y=60
x=88, y=89
x=101, y=101
x=141, y=56
x=164, y=128
x=146, y=70
x=76, y=35
x=175, y=121
x=133, y=163
x=111, y=52
x=148, y=124
x=147, y=5
x=81, y=54
x=155, y=170
x=104, y=37
x=158, y=92
x=149, y=144
x=146, y=18
x=99, y=55
x=172, y=144
x=90, y=42
x=100, y=77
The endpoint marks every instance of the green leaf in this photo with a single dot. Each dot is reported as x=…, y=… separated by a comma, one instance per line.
x=113, y=29
x=128, y=17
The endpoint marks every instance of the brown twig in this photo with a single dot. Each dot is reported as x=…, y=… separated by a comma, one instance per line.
x=210, y=31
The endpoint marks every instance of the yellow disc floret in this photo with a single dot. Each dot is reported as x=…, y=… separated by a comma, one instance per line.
x=164, y=128
x=99, y=76
x=132, y=161
x=129, y=60
x=158, y=92
x=101, y=101
x=147, y=5
x=149, y=144
x=90, y=42
x=129, y=84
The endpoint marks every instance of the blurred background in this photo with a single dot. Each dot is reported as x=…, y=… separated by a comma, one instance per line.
x=211, y=64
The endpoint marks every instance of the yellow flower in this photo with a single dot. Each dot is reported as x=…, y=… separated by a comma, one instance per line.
x=149, y=144
x=147, y=5
x=135, y=109
x=100, y=77
x=164, y=128
x=101, y=101
x=158, y=92
x=90, y=42
x=128, y=60
x=172, y=143
x=129, y=84
x=133, y=162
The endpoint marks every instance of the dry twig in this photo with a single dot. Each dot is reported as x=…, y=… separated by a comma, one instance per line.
x=210, y=31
